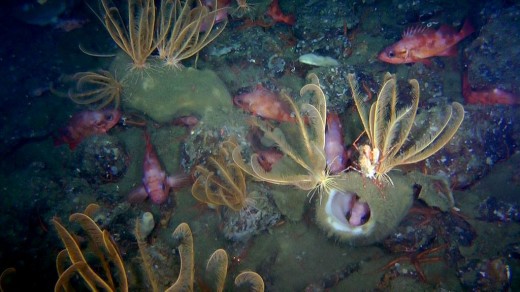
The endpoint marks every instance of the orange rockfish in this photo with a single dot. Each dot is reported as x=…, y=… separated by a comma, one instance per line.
x=275, y=12
x=264, y=103
x=420, y=43
x=486, y=96
x=269, y=157
x=156, y=185
x=85, y=124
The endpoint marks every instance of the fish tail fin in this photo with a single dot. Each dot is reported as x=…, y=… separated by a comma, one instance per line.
x=137, y=195
x=466, y=29
x=179, y=181
x=499, y=96
x=63, y=136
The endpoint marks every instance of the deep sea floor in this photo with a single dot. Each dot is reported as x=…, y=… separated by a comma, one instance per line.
x=474, y=246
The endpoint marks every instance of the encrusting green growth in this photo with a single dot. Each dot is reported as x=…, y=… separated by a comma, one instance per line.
x=165, y=93
x=157, y=87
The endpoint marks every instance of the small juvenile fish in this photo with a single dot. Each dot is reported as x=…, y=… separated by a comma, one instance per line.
x=267, y=158
x=317, y=60
x=275, y=12
x=264, y=103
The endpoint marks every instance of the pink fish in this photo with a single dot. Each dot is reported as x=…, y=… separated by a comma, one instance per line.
x=264, y=103
x=267, y=158
x=222, y=6
x=275, y=12
x=156, y=185
x=186, y=121
x=420, y=43
x=488, y=96
x=85, y=124
x=359, y=212
x=334, y=148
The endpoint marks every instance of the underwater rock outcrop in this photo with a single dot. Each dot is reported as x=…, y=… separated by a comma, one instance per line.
x=164, y=93
x=485, y=56
x=101, y=159
x=359, y=207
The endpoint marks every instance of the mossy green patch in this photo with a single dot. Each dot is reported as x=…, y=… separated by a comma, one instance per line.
x=290, y=201
x=165, y=93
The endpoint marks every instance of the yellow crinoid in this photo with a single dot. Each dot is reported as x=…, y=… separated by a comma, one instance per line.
x=178, y=29
x=184, y=30
x=220, y=181
x=303, y=144
x=389, y=130
x=216, y=267
x=105, y=270
x=96, y=88
x=244, y=7
x=136, y=36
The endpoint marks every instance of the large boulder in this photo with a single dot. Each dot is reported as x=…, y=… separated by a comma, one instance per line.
x=165, y=93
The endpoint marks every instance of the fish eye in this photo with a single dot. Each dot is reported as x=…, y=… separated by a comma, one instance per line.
x=391, y=54
x=109, y=117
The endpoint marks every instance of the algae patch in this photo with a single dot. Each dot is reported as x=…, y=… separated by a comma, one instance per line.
x=165, y=93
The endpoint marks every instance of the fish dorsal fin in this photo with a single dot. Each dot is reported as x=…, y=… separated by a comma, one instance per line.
x=415, y=30
x=446, y=30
